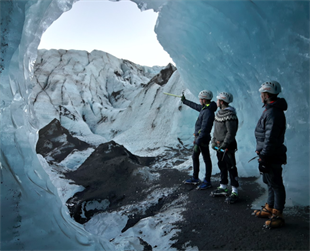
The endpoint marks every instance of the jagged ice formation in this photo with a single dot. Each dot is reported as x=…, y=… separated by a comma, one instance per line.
x=216, y=45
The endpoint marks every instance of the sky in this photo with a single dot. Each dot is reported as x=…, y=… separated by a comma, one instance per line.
x=118, y=28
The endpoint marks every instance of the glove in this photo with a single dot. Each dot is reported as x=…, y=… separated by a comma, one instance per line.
x=196, y=148
x=264, y=160
x=183, y=98
x=213, y=146
x=264, y=163
x=223, y=146
x=264, y=169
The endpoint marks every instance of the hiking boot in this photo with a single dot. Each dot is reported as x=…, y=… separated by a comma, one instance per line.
x=276, y=220
x=232, y=198
x=219, y=192
x=265, y=212
x=192, y=181
x=204, y=185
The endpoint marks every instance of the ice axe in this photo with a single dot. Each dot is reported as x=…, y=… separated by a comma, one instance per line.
x=173, y=95
x=222, y=150
x=253, y=159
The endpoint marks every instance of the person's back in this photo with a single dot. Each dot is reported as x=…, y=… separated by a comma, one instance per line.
x=204, y=123
x=203, y=127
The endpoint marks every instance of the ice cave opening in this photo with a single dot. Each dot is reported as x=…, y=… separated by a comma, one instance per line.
x=236, y=47
x=120, y=29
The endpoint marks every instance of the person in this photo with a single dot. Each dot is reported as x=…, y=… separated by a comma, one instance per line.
x=269, y=134
x=203, y=128
x=224, y=142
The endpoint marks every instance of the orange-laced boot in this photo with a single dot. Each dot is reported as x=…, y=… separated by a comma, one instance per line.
x=265, y=212
x=276, y=220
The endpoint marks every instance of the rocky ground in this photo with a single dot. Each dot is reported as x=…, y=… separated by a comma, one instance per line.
x=212, y=224
x=209, y=223
x=114, y=174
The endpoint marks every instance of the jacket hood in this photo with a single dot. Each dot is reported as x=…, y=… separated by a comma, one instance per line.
x=213, y=106
x=230, y=108
x=280, y=103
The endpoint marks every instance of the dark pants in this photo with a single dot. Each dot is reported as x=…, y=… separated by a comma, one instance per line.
x=206, y=157
x=227, y=163
x=276, y=189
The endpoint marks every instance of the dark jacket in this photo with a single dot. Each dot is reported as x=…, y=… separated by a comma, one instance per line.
x=204, y=123
x=225, y=128
x=270, y=130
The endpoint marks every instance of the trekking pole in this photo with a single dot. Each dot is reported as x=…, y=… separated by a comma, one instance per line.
x=173, y=95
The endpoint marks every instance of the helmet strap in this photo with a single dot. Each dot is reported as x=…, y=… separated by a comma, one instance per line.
x=265, y=102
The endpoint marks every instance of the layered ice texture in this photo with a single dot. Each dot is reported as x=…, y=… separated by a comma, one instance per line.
x=218, y=45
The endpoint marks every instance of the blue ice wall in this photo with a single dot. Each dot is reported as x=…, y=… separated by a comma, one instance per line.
x=235, y=46
x=32, y=215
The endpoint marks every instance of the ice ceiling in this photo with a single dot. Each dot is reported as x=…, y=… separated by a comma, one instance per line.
x=217, y=45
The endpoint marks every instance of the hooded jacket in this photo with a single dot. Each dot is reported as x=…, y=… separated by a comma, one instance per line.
x=270, y=131
x=225, y=128
x=204, y=122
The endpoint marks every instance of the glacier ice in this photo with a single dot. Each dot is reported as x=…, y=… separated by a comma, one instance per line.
x=217, y=45
x=236, y=46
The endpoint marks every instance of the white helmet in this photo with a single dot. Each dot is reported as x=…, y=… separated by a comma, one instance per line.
x=226, y=97
x=272, y=87
x=205, y=95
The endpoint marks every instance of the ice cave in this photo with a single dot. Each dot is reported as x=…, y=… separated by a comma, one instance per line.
x=217, y=45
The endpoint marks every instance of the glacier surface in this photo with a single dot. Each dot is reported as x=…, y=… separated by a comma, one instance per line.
x=216, y=45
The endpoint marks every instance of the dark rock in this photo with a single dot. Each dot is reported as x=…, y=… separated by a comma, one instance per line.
x=56, y=143
x=107, y=174
x=163, y=77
